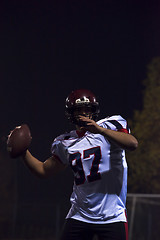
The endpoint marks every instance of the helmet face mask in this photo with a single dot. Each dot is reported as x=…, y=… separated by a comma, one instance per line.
x=81, y=102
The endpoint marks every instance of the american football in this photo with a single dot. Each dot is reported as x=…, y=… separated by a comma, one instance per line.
x=19, y=140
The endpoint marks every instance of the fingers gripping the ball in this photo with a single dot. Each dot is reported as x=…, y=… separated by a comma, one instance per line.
x=19, y=140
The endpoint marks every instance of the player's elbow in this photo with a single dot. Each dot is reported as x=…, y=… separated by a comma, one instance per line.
x=133, y=145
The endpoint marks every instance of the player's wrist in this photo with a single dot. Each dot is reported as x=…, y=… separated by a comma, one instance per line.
x=101, y=130
x=24, y=154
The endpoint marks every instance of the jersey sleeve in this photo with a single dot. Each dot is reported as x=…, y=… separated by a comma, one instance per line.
x=116, y=123
x=59, y=150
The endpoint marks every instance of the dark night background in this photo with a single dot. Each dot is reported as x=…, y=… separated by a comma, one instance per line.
x=49, y=48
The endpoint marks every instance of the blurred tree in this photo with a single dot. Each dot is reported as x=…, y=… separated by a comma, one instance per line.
x=144, y=163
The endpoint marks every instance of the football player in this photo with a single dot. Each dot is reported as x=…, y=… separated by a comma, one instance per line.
x=95, y=151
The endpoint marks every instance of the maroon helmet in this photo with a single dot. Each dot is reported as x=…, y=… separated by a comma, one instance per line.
x=81, y=98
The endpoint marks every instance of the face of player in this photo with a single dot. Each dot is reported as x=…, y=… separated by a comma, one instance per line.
x=81, y=111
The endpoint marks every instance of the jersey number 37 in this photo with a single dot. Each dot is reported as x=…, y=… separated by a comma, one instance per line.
x=77, y=166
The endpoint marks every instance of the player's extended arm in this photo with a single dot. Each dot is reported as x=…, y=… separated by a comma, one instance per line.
x=42, y=169
x=124, y=140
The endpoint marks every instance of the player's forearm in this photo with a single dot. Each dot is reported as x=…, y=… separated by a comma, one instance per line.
x=34, y=165
x=124, y=140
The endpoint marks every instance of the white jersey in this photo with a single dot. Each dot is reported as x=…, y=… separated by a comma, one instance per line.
x=100, y=173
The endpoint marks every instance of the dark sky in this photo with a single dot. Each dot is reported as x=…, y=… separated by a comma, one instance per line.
x=49, y=48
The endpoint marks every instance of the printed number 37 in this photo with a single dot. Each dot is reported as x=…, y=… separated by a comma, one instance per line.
x=77, y=166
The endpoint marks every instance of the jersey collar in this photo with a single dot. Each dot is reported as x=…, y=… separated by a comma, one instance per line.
x=80, y=133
